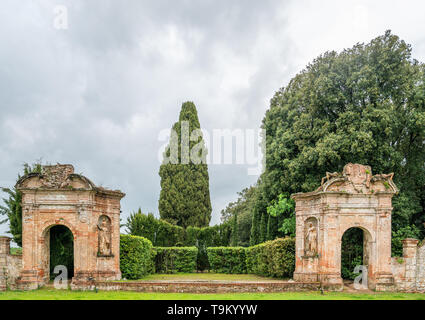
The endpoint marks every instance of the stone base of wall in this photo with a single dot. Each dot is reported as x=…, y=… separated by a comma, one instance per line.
x=96, y=275
x=196, y=287
x=330, y=282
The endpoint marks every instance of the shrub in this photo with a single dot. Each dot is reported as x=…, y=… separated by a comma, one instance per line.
x=272, y=258
x=227, y=259
x=136, y=257
x=159, y=232
x=175, y=259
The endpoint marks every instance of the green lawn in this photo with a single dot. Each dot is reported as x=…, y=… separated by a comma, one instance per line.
x=52, y=294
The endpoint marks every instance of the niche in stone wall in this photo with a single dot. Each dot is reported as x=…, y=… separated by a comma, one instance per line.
x=104, y=235
x=310, y=237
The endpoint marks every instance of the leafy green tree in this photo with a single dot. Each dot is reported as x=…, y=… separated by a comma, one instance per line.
x=185, y=195
x=12, y=207
x=283, y=211
x=364, y=105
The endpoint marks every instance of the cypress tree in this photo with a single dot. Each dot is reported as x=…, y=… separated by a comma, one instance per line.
x=256, y=220
x=255, y=228
x=263, y=226
x=235, y=231
x=185, y=195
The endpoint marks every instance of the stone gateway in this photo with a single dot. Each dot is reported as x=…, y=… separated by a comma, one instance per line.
x=58, y=196
x=353, y=198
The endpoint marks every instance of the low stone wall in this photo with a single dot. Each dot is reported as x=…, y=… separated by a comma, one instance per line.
x=197, y=287
x=409, y=270
x=10, y=265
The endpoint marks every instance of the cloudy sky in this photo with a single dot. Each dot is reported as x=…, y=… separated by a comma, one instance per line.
x=98, y=94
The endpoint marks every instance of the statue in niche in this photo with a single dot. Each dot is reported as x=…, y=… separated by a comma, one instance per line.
x=311, y=240
x=104, y=226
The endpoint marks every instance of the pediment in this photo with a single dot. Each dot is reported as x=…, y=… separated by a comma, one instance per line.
x=357, y=178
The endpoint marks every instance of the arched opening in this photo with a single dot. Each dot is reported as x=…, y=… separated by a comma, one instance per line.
x=355, y=249
x=61, y=250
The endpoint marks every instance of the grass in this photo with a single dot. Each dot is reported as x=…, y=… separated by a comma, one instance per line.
x=53, y=294
x=14, y=250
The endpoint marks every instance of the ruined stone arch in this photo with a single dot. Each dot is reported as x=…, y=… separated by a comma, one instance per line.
x=44, y=240
x=58, y=196
x=351, y=199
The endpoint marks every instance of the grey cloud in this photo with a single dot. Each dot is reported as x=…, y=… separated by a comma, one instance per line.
x=98, y=94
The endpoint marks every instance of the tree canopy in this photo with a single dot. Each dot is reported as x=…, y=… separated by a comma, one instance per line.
x=364, y=105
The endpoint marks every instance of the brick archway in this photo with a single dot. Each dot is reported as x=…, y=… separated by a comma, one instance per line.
x=45, y=244
x=353, y=198
x=367, y=241
x=58, y=196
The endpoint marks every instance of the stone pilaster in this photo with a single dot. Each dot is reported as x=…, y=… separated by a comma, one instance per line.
x=4, y=251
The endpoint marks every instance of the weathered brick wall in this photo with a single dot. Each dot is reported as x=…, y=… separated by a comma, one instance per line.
x=409, y=271
x=3, y=262
x=14, y=267
x=10, y=265
x=420, y=268
x=198, y=287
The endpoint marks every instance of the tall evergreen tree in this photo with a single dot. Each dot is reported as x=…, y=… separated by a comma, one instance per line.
x=235, y=231
x=185, y=194
x=263, y=226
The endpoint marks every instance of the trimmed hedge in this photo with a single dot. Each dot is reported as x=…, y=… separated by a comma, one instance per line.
x=227, y=259
x=175, y=259
x=202, y=238
x=136, y=257
x=272, y=258
x=159, y=232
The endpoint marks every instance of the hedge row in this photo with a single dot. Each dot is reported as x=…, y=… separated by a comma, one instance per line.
x=272, y=259
x=136, y=257
x=227, y=259
x=175, y=259
x=139, y=258
x=159, y=232
x=163, y=234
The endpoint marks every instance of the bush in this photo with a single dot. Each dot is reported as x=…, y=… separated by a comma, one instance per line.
x=175, y=259
x=227, y=259
x=159, y=232
x=272, y=258
x=136, y=257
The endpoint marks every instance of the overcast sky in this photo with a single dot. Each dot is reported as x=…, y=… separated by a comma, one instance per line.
x=98, y=94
